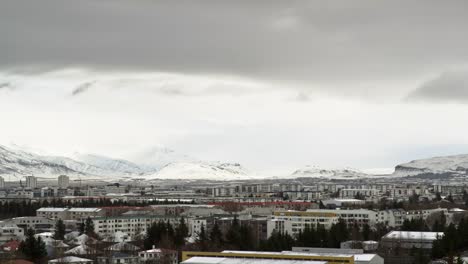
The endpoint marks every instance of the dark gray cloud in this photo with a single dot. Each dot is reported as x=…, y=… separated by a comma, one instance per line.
x=348, y=43
x=449, y=86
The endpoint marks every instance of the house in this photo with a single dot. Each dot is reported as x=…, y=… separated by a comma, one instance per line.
x=159, y=254
x=10, y=246
x=118, y=258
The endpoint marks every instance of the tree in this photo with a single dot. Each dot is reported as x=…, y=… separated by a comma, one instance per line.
x=59, y=233
x=202, y=239
x=233, y=237
x=216, y=236
x=32, y=248
x=89, y=227
x=450, y=198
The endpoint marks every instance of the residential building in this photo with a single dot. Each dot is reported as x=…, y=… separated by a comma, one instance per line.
x=38, y=223
x=63, y=181
x=118, y=258
x=272, y=257
x=31, y=182
x=409, y=240
x=294, y=221
x=130, y=224
x=74, y=213
x=2, y=183
x=9, y=231
x=159, y=255
x=53, y=212
x=353, y=216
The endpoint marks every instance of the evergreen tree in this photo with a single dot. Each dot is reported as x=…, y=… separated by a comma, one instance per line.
x=32, y=248
x=59, y=233
x=89, y=227
x=233, y=237
x=366, y=231
x=202, y=239
x=216, y=236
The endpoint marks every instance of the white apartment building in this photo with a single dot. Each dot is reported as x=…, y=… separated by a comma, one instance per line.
x=132, y=224
x=292, y=222
x=423, y=214
x=63, y=181
x=410, y=240
x=352, y=216
x=114, y=189
x=393, y=217
x=351, y=193
x=159, y=255
x=9, y=231
x=83, y=213
x=31, y=182
x=195, y=225
x=53, y=212
x=39, y=224
x=2, y=183
x=69, y=213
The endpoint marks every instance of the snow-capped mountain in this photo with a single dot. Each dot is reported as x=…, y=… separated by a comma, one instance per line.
x=161, y=163
x=24, y=163
x=109, y=164
x=455, y=165
x=202, y=170
x=158, y=157
x=319, y=172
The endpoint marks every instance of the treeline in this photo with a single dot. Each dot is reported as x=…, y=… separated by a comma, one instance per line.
x=454, y=241
x=241, y=237
x=318, y=236
x=165, y=235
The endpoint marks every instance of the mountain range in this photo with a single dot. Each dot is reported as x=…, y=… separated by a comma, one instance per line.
x=164, y=163
x=156, y=163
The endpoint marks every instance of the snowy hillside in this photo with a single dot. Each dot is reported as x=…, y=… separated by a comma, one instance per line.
x=109, y=164
x=202, y=170
x=23, y=163
x=457, y=165
x=319, y=172
x=161, y=163
x=158, y=157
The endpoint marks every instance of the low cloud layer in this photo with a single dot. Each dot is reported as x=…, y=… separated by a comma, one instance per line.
x=278, y=84
x=448, y=87
x=358, y=48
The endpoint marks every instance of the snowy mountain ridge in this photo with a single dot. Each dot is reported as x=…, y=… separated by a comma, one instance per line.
x=320, y=172
x=454, y=164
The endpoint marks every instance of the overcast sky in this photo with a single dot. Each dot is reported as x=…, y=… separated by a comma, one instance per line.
x=269, y=84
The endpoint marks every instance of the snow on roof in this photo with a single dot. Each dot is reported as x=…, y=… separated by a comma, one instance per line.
x=79, y=250
x=216, y=260
x=364, y=257
x=87, y=210
x=52, y=209
x=412, y=235
x=70, y=259
x=287, y=253
x=154, y=250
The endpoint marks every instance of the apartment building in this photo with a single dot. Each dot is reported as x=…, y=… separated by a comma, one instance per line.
x=9, y=231
x=69, y=213
x=294, y=221
x=39, y=224
x=130, y=224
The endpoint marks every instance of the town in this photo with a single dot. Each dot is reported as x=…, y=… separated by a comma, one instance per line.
x=305, y=220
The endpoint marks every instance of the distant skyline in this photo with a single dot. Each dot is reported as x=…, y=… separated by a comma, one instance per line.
x=275, y=86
